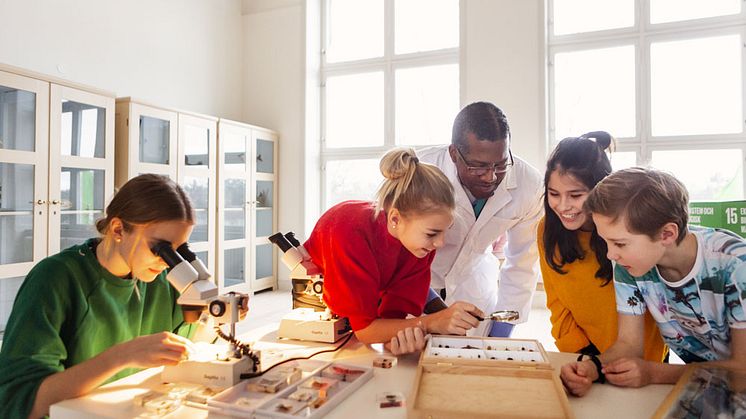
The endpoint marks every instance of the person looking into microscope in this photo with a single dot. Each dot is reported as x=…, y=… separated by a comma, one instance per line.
x=95, y=312
x=376, y=256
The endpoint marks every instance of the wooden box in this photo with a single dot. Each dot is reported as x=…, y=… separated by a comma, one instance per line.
x=478, y=377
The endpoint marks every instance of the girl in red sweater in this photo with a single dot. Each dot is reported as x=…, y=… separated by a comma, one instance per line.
x=376, y=256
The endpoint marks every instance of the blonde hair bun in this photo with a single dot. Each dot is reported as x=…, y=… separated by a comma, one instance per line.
x=398, y=163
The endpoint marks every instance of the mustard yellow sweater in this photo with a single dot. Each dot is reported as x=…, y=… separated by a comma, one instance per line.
x=582, y=311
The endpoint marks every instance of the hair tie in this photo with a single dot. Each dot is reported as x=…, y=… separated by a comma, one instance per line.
x=415, y=159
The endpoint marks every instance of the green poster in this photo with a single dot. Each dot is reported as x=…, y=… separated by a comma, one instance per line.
x=729, y=215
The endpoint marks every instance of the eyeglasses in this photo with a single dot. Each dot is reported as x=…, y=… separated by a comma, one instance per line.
x=497, y=168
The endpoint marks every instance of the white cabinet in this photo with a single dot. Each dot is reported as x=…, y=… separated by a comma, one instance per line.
x=56, y=170
x=227, y=168
x=180, y=145
x=247, y=207
x=146, y=140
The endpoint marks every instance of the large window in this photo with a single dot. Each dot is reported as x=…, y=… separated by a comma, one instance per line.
x=390, y=77
x=665, y=77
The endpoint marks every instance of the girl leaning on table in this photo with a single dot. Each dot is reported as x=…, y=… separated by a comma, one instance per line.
x=96, y=311
x=376, y=256
x=576, y=272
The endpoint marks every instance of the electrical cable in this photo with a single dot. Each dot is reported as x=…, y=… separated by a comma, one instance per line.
x=258, y=374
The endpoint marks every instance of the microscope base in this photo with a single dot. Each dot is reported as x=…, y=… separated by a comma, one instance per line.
x=213, y=373
x=306, y=324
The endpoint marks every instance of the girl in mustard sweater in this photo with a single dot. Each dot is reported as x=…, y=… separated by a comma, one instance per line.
x=577, y=275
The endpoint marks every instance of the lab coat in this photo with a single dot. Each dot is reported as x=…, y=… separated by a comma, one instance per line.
x=465, y=266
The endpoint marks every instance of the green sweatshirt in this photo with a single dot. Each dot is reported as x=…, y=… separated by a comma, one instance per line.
x=68, y=310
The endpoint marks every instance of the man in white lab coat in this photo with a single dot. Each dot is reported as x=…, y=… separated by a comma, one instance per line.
x=497, y=194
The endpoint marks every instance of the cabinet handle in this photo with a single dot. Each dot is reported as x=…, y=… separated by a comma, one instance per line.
x=55, y=202
x=41, y=202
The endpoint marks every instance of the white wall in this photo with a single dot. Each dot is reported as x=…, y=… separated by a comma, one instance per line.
x=503, y=62
x=185, y=54
x=273, y=97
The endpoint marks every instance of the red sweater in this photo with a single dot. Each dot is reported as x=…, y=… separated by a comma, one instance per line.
x=368, y=274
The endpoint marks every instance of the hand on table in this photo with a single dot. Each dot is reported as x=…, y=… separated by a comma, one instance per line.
x=578, y=377
x=628, y=372
x=411, y=339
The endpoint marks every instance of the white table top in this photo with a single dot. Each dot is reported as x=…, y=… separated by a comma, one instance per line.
x=115, y=399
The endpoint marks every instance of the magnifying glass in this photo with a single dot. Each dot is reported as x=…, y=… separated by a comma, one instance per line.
x=500, y=316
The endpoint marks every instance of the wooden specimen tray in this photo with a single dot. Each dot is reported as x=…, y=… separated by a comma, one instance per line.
x=477, y=377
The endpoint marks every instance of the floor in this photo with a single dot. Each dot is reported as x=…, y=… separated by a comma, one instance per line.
x=267, y=308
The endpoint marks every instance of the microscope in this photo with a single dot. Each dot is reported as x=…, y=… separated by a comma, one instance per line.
x=310, y=318
x=193, y=281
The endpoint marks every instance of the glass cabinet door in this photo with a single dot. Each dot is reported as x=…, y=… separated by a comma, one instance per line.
x=81, y=177
x=264, y=211
x=198, y=190
x=146, y=139
x=82, y=130
x=234, y=267
x=24, y=125
x=234, y=208
x=265, y=156
x=24, y=158
x=17, y=119
x=234, y=199
x=154, y=140
x=81, y=204
x=17, y=213
x=197, y=171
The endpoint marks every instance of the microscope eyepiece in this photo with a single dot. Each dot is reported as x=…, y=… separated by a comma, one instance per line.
x=167, y=253
x=186, y=253
x=290, y=236
x=280, y=241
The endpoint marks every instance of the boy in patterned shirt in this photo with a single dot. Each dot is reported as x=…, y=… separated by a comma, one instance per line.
x=691, y=279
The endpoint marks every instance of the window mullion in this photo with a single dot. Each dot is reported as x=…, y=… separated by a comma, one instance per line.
x=389, y=94
x=642, y=70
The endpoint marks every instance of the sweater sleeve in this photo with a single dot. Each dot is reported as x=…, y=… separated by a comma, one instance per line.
x=568, y=335
x=32, y=347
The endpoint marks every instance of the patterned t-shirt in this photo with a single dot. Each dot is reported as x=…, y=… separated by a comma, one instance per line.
x=695, y=314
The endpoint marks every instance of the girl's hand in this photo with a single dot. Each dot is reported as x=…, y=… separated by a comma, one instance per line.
x=455, y=320
x=578, y=377
x=411, y=339
x=154, y=350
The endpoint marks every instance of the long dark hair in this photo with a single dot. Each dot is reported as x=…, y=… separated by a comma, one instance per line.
x=585, y=159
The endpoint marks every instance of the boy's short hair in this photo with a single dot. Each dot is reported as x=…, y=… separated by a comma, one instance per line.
x=647, y=199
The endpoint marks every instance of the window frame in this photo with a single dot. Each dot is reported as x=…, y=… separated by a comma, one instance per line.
x=641, y=35
x=389, y=63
